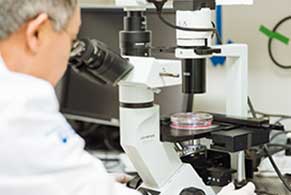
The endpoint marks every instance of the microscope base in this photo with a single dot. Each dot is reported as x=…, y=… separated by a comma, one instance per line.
x=184, y=178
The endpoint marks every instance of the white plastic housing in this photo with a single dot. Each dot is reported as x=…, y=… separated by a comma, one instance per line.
x=147, y=71
x=186, y=40
x=193, y=19
x=145, y=4
x=138, y=4
x=234, y=2
x=132, y=2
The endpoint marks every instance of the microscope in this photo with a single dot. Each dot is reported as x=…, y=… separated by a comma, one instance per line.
x=166, y=158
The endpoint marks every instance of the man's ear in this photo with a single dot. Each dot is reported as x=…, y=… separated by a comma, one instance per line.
x=32, y=32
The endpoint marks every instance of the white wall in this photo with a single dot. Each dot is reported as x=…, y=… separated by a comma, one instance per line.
x=269, y=86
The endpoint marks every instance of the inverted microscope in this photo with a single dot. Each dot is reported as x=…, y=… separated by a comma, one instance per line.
x=186, y=153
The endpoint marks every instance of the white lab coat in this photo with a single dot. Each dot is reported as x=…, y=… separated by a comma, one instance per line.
x=40, y=154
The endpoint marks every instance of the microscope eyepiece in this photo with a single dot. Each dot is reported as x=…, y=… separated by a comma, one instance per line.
x=96, y=62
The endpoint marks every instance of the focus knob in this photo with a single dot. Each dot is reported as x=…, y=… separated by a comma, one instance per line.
x=192, y=191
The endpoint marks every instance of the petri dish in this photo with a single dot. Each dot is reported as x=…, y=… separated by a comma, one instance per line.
x=191, y=121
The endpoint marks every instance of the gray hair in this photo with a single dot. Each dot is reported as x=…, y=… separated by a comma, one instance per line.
x=15, y=13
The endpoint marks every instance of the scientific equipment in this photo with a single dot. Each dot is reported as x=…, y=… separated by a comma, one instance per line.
x=87, y=101
x=149, y=145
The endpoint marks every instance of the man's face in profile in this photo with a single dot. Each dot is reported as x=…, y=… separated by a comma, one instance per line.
x=56, y=48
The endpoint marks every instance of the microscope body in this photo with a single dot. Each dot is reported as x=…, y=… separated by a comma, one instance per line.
x=157, y=162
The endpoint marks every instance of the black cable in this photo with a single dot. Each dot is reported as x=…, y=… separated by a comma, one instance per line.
x=214, y=30
x=278, y=134
x=218, y=37
x=281, y=119
x=159, y=8
x=281, y=177
x=271, y=41
x=183, y=28
x=261, y=192
x=279, y=146
x=273, y=115
x=251, y=107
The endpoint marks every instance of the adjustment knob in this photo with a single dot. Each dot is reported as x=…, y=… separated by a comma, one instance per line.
x=192, y=191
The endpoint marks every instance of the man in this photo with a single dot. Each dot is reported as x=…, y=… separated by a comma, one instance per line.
x=40, y=153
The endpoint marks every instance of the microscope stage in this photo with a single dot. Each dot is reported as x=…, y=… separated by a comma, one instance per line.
x=169, y=134
x=229, y=134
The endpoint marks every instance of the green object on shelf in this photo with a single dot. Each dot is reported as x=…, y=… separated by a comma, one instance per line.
x=274, y=35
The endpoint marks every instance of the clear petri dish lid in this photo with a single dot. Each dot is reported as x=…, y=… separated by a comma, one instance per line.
x=191, y=121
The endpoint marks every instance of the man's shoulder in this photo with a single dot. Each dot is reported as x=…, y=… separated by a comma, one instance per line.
x=29, y=91
x=24, y=83
x=30, y=104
